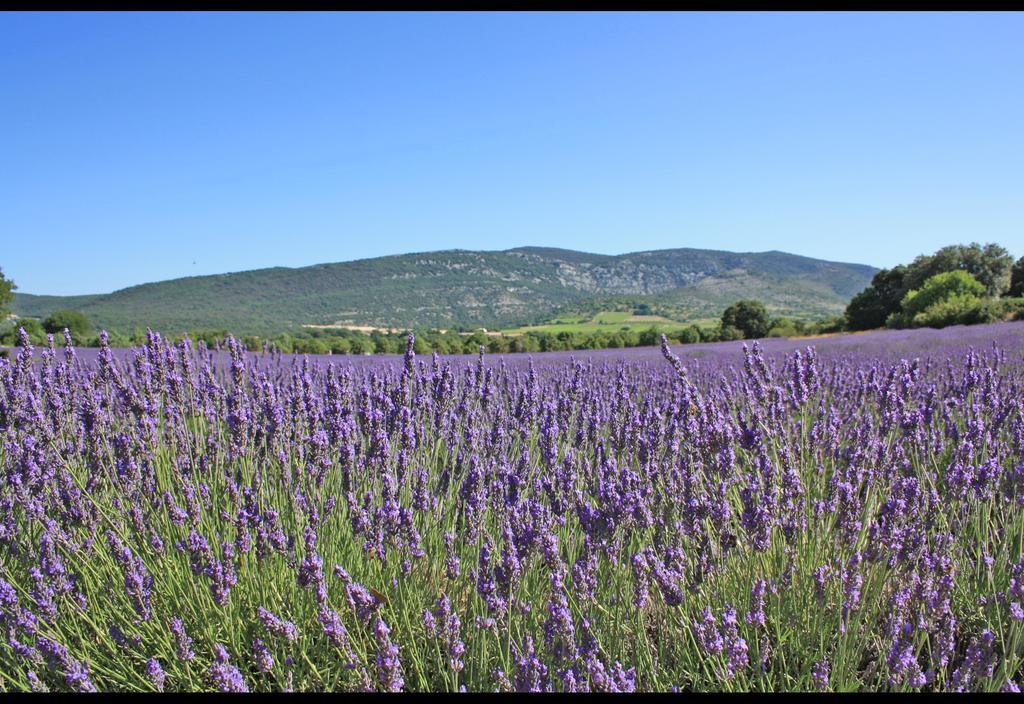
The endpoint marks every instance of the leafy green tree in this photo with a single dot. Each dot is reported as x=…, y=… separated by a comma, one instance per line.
x=382, y=344
x=956, y=310
x=33, y=328
x=749, y=317
x=650, y=337
x=708, y=334
x=726, y=333
x=881, y=303
x=782, y=327
x=1017, y=278
x=7, y=289
x=870, y=308
x=689, y=335
x=530, y=343
x=76, y=322
x=942, y=287
x=360, y=345
x=421, y=347
x=866, y=310
x=339, y=345
x=989, y=265
x=315, y=346
x=987, y=310
x=944, y=299
x=440, y=345
x=471, y=344
x=114, y=339
x=283, y=343
x=835, y=324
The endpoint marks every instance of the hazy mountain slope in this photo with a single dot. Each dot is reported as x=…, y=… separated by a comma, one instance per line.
x=458, y=287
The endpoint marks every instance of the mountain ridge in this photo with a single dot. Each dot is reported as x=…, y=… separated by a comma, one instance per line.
x=460, y=287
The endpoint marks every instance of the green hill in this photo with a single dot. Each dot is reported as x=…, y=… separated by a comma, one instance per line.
x=465, y=288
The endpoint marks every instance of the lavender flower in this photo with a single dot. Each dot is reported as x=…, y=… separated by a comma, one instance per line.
x=155, y=673
x=226, y=677
x=264, y=660
x=389, y=667
x=820, y=672
x=182, y=643
x=277, y=626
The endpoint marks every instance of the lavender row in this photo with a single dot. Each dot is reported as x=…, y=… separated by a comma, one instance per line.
x=779, y=516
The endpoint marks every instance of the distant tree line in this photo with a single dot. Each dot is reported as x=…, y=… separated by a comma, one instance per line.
x=744, y=319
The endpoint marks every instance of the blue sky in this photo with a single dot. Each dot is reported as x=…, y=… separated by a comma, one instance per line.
x=143, y=147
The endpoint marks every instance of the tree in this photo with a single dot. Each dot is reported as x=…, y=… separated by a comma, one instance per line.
x=497, y=345
x=421, y=344
x=75, y=321
x=688, y=335
x=749, y=317
x=650, y=337
x=310, y=345
x=7, y=289
x=990, y=265
x=870, y=308
x=829, y=325
x=944, y=299
x=33, y=328
x=942, y=287
x=727, y=333
x=338, y=345
x=360, y=345
x=1017, y=278
x=381, y=344
x=866, y=310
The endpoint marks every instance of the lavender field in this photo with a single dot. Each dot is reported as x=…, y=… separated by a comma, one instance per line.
x=832, y=514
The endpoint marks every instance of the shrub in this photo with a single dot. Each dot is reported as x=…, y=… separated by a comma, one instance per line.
x=7, y=289
x=689, y=335
x=1017, y=278
x=783, y=329
x=749, y=317
x=1013, y=307
x=944, y=299
x=941, y=287
x=36, y=334
x=989, y=310
x=871, y=307
x=76, y=322
x=727, y=333
x=955, y=310
x=836, y=324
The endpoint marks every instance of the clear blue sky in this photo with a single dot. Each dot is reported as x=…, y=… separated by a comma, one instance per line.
x=143, y=147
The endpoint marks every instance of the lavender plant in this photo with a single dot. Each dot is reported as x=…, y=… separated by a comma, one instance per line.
x=726, y=517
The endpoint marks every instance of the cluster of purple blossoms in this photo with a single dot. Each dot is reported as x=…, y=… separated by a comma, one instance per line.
x=561, y=514
x=443, y=625
x=820, y=673
x=182, y=642
x=262, y=657
x=979, y=663
x=278, y=626
x=59, y=658
x=724, y=641
x=155, y=673
x=225, y=676
x=389, y=667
